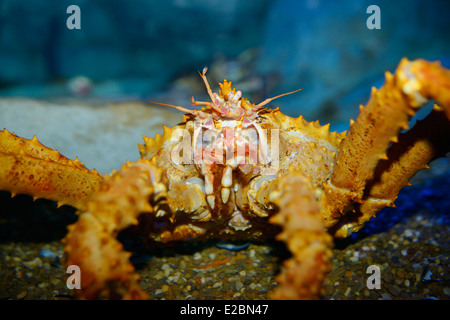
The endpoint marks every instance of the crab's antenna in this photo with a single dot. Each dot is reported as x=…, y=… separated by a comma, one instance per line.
x=193, y=112
x=205, y=103
x=276, y=97
x=196, y=103
x=208, y=88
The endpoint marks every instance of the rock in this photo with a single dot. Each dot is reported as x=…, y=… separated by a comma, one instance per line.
x=386, y=296
x=101, y=136
x=32, y=264
x=22, y=295
x=165, y=288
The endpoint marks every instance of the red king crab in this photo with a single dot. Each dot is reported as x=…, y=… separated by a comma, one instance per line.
x=236, y=170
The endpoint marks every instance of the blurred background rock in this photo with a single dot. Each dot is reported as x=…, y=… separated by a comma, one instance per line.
x=152, y=49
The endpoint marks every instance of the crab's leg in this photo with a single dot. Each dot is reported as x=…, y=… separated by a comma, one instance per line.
x=426, y=141
x=378, y=125
x=305, y=236
x=28, y=167
x=91, y=244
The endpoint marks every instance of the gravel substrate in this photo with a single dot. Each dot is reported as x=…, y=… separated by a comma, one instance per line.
x=410, y=245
